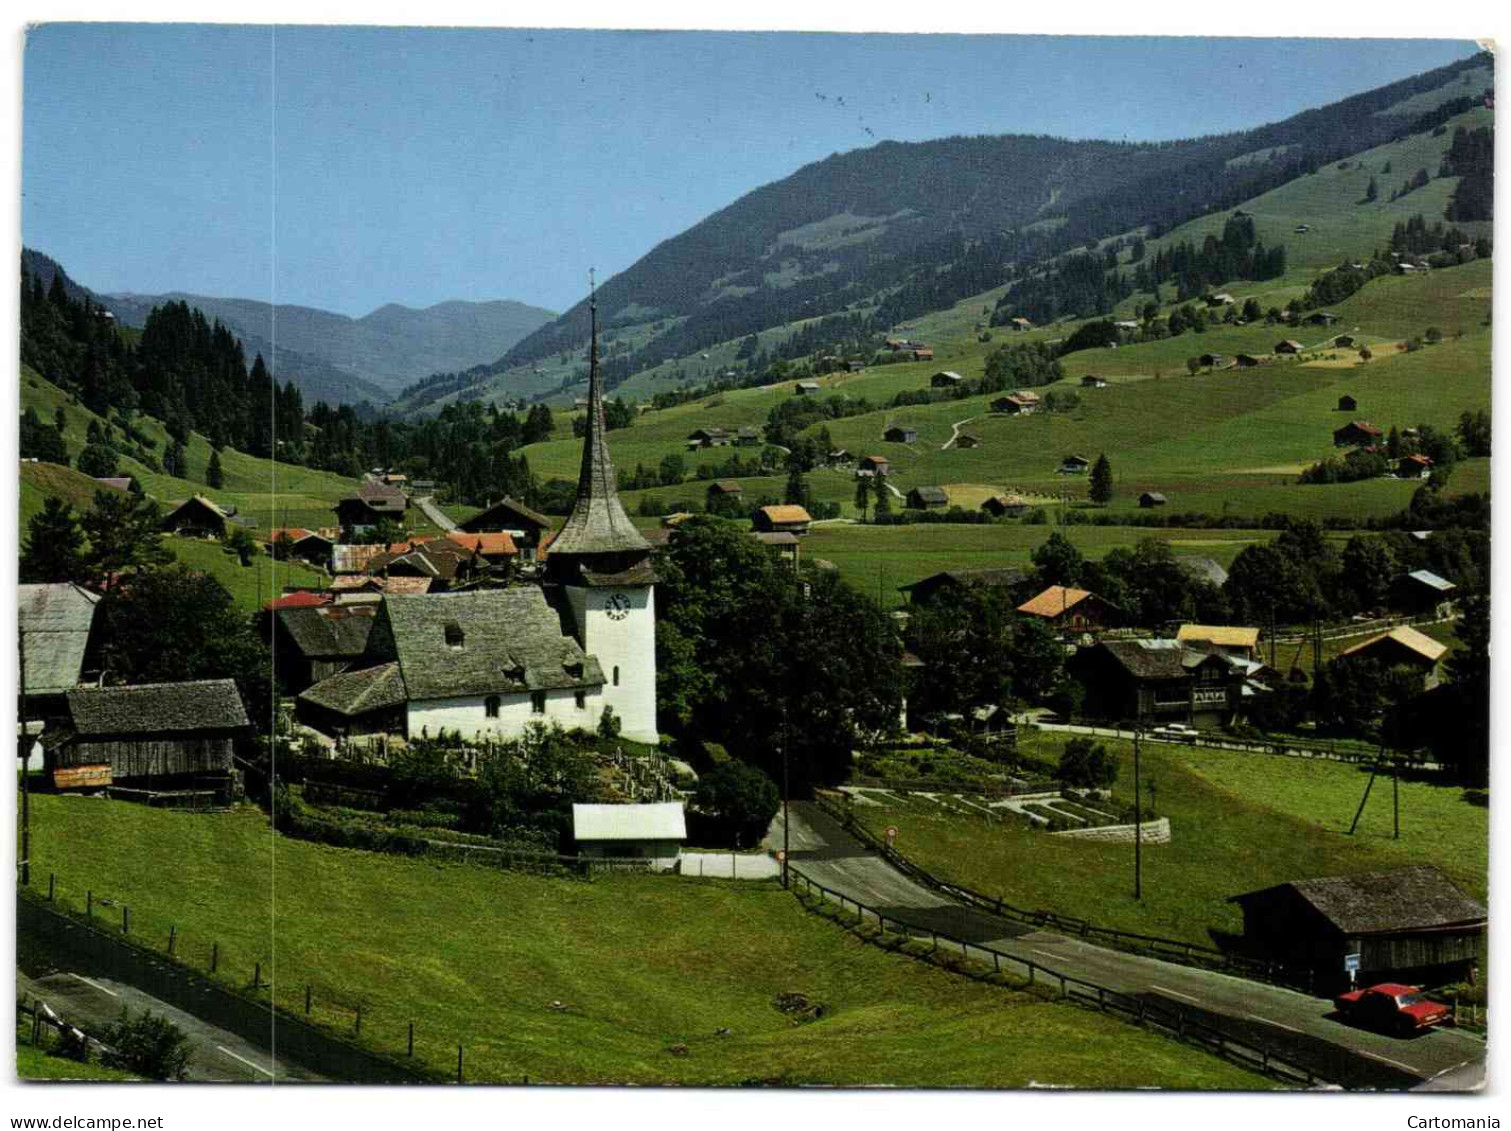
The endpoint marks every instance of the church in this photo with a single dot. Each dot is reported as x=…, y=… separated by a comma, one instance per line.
x=486, y=663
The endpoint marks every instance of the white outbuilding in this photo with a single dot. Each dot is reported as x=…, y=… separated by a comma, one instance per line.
x=652, y=832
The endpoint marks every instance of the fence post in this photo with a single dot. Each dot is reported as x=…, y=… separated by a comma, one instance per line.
x=359, y=1019
x=125, y=920
x=172, y=937
x=411, y=1038
x=89, y=904
x=214, y=956
x=459, y=1064
x=1102, y=999
x=307, y=994
x=257, y=975
x=1063, y=991
x=996, y=962
x=51, y=882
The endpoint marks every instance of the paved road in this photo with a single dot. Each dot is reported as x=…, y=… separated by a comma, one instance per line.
x=434, y=513
x=218, y=1056
x=1300, y=1028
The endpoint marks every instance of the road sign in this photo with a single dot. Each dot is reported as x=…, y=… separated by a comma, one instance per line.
x=891, y=834
x=781, y=856
x=1351, y=964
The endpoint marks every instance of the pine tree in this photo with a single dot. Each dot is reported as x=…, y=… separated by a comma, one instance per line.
x=214, y=476
x=798, y=493
x=883, y=505
x=1372, y=193
x=862, y=495
x=1100, y=491
x=54, y=544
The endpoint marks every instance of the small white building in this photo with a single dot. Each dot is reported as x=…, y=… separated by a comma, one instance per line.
x=653, y=832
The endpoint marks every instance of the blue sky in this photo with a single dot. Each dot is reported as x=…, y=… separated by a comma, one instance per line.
x=348, y=167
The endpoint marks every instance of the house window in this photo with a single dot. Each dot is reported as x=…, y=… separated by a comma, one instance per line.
x=490, y=705
x=616, y=675
x=582, y=700
x=538, y=702
x=454, y=636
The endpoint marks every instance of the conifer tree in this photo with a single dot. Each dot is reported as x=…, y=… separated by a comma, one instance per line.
x=1100, y=491
x=54, y=545
x=214, y=476
x=862, y=495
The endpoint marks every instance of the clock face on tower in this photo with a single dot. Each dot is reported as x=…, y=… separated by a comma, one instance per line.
x=617, y=606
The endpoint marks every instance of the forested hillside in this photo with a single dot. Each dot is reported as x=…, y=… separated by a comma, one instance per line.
x=900, y=229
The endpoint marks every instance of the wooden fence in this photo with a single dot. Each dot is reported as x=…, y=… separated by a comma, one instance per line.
x=1173, y=1021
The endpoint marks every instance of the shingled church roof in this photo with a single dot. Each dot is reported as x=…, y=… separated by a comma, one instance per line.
x=481, y=642
x=597, y=524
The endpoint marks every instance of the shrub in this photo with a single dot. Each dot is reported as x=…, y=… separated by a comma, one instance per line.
x=740, y=800
x=148, y=1045
x=1087, y=764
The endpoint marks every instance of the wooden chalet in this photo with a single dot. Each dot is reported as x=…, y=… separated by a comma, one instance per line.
x=1289, y=346
x=923, y=354
x=492, y=553
x=373, y=502
x=806, y=388
x=197, y=517
x=1409, y=924
x=874, y=465
x=1008, y=581
x=1016, y=403
x=928, y=498
x=1322, y=318
x=946, y=379
x=1005, y=506
x=1213, y=360
x=710, y=438
x=1161, y=681
x=1357, y=433
x=1074, y=465
x=1403, y=647
x=1415, y=466
x=1071, y=610
x=1422, y=593
x=747, y=436
x=1151, y=499
x=1220, y=300
x=900, y=434
x=528, y=529
x=152, y=735
x=1019, y=324
x=1347, y=403
x=783, y=518
x=1246, y=361
x=784, y=543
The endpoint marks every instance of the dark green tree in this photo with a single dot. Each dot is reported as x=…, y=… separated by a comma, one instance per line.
x=862, y=495
x=124, y=532
x=98, y=461
x=1057, y=562
x=1100, y=489
x=883, y=505
x=53, y=550
x=1085, y=764
x=214, y=476
x=1372, y=193
x=740, y=802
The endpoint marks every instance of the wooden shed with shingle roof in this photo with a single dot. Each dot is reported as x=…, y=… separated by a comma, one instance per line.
x=163, y=731
x=1411, y=923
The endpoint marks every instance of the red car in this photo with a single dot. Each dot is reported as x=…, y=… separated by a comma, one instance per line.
x=1391, y=1007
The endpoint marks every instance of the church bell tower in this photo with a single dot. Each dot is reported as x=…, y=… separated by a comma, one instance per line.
x=602, y=564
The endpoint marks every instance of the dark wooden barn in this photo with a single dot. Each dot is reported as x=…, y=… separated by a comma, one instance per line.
x=162, y=735
x=1409, y=924
x=197, y=518
x=317, y=642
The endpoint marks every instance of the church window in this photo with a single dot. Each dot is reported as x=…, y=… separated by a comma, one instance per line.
x=454, y=636
x=582, y=700
x=490, y=705
x=538, y=702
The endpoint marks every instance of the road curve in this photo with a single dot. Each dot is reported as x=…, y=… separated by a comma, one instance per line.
x=1302, y=1029
x=436, y=515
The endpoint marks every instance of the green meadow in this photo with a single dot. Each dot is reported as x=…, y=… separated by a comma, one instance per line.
x=631, y=979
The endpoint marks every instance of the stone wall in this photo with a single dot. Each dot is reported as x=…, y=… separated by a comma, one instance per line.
x=1155, y=832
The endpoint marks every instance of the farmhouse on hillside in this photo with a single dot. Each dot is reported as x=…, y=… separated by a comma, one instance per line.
x=1290, y=345
x=1020, y=324
x=1152, y=499
x=928, y=498
x=874, y=465
x=806, y=388
x=56, y=624
x=1005, y=506
x=1422, y=593
x=1403, y=647
x=1347, y=403
x=1415, y=466
x=315, y=642
x=725, y=489
x=653, y=832
x=1163, y=681
x=527, y=528
x=782, y=518
x=1016, y=404
x=492, y=554
x=1356, y=433
x=1345, y=341
x=710, y=438
x=900, y=434
x=1073, y=465
x=304, y=545
x=1410, y=923
x=921, y=592
x=1220, y=300
x=1071, y=610
x=1246, y=361
x=747, y=436
x=151, y=735
x=1213, y=360
x=373, y=502
x=1091, y=381
x=946, y=379
x=197, y=517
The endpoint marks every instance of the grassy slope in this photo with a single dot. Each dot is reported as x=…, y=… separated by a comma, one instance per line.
x=477, y=956
x=36, y=1064
x=1239, y=822
x=271, y=494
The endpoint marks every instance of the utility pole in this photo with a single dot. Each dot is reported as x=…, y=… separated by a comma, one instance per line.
x=25, y=771
x=1138, y=824
x=786, y=789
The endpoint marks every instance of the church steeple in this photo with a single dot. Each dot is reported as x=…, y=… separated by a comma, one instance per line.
x=598, y=524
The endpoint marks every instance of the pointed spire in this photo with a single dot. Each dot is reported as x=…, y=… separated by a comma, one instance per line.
x=597, y=524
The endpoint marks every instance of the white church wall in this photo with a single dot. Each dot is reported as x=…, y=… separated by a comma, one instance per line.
x=469, y=714
x=626, y=644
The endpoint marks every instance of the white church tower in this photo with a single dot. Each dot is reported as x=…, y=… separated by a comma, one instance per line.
x=602, y=564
